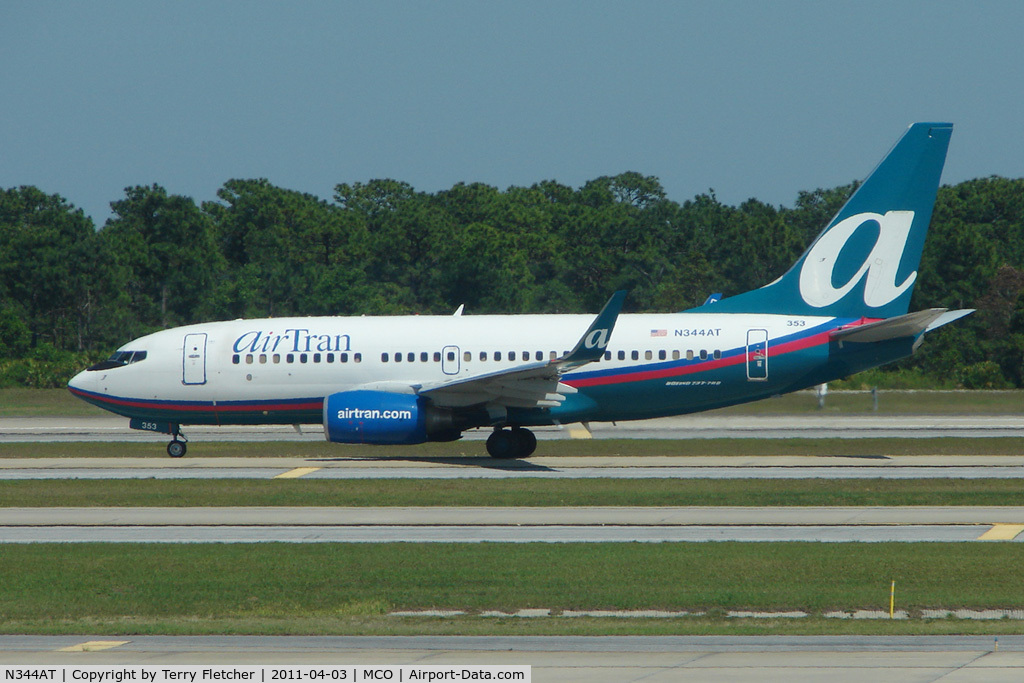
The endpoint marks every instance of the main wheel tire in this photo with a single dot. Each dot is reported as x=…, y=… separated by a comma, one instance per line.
x=176, y=449
x=502, y=444
x=526, y=441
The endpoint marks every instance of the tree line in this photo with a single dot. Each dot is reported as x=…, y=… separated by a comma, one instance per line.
x=70, y=292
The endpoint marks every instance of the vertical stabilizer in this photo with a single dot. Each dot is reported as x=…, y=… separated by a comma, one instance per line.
x=864, y=263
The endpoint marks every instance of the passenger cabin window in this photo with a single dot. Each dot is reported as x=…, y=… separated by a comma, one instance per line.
x=424, y=357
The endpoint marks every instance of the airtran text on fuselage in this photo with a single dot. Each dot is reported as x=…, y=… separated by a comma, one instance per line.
x=293, y=340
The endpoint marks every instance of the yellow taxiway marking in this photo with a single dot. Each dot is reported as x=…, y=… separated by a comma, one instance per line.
x=1002, y=532
x=94, y=646
x=297, y=472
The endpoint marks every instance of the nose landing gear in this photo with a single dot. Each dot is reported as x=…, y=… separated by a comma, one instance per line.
x=511, y=443
x=178, y=447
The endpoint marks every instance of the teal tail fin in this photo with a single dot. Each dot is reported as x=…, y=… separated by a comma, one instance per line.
x=864, y=263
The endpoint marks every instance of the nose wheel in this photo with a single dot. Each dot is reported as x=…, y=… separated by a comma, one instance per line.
x=506, y=444
x=177, y=448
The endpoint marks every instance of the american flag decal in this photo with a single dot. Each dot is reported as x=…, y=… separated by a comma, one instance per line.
x=659, y=333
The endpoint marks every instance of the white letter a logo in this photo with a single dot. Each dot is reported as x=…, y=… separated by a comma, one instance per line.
x=879, y=267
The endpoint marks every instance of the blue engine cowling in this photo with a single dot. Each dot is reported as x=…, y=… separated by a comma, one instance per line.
x=376, y=417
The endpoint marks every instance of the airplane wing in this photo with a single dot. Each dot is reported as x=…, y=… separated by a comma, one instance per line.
x=531, y=385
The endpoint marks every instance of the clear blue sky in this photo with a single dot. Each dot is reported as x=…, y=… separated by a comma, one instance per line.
x=753, y=99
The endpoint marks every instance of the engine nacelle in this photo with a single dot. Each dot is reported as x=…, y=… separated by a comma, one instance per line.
x=382, y=417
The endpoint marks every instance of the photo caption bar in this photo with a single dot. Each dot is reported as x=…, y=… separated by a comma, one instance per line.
x=396, y=673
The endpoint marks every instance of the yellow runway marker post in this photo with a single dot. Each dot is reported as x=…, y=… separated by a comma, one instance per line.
x=1002, y=532
x=94, y=646
x=297, y=472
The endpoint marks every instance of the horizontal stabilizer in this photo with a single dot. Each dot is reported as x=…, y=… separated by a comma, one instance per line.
x=948, y=317
x=909, y=325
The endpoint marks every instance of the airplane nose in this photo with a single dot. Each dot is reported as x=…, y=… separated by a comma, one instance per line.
x=78, y=382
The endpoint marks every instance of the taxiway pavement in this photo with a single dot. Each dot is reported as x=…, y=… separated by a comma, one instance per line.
x=557, y=659
x=564, y=467
x=510, y=524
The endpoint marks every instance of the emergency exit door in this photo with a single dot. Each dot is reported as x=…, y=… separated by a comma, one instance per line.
x=757, y=355
x=193, y=361
x=450, y=362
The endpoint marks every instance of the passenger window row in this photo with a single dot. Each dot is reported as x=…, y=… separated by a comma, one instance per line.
x=276, y=358
x=425, y=357
x=467, y=356
x=662, y=354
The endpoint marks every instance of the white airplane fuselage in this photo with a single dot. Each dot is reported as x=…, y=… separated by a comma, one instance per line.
x=280, y=370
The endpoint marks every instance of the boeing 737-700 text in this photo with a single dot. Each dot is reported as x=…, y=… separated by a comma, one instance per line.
x=841, y=308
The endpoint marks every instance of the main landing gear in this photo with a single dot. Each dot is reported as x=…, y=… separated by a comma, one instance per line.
x=177, y=448
x=511, y=443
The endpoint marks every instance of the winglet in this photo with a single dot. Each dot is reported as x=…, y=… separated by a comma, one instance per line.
x=592, y=344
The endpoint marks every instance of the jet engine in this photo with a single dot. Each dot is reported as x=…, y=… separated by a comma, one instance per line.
x=381, y=417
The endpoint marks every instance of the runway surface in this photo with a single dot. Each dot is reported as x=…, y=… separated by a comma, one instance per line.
x=510, y=525
x=698, y=426
x=567, y=467
x=783, y=659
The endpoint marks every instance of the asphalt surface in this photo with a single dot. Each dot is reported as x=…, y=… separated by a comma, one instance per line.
x=605, y=467
x=509, y=525
x=782, y=659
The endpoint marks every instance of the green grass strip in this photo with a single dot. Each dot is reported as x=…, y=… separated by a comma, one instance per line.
x=346, y=588
x=507, y=492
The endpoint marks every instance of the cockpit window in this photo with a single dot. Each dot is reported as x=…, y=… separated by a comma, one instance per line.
x=119, y=360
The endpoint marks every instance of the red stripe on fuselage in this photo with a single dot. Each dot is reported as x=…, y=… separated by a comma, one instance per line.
x=644, y=375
